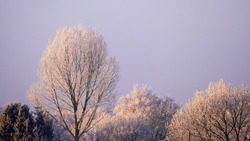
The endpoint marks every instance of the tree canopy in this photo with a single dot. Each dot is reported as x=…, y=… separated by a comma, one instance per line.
x=140, y=115
x=77, y=77
x=219, y=113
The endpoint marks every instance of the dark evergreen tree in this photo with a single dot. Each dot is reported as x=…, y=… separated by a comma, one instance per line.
x=23, y=125
x=17, y=123
x=5, y=128
x=44, y=126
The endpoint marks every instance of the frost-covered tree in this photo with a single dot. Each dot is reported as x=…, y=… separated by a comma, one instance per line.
x=77, y=77
x=140, y=115
x=222, y=112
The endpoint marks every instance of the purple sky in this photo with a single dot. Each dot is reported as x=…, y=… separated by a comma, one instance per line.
x=175, y=47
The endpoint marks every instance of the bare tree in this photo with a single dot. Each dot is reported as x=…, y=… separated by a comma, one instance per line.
x=222, y=112
x=76, y=79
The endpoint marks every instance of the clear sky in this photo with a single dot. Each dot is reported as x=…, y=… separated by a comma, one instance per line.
x=174, y=46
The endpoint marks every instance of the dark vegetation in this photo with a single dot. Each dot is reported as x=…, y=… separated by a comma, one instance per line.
x=17, y=123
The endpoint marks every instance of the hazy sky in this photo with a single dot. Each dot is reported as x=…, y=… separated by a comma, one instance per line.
x=176, y=47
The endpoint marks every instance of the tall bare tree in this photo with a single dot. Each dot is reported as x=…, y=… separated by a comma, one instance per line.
x=76, y=79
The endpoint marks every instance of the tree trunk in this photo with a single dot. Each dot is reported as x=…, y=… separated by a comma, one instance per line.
x=77, y=138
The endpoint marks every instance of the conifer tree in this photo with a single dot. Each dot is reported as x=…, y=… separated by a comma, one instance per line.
x=43, y=125
x=5, y=127
x=17, y=123
x=23, y=125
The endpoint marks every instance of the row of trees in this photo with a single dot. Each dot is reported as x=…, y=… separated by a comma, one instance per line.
x=75, y=88
x=222, y=112
x=140, y=115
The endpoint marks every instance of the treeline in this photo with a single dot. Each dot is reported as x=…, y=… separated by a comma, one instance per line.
x=75, y=99
x=221, y=112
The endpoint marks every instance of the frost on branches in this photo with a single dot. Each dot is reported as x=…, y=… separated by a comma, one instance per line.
x=222, y=112
x=76, y=78
x=140, y=115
